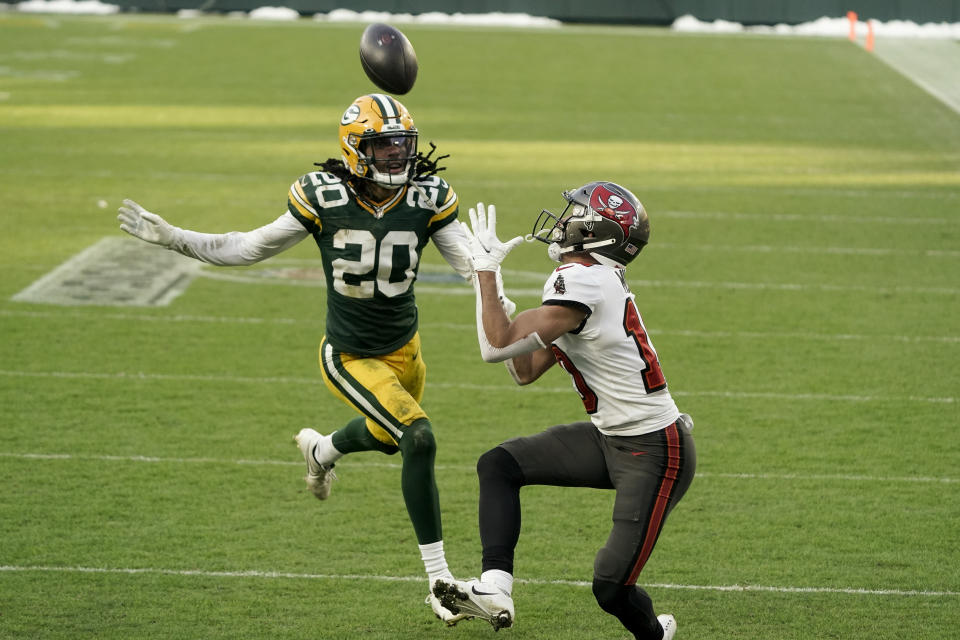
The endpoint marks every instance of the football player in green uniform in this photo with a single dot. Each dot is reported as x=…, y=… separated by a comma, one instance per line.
x=371, y=213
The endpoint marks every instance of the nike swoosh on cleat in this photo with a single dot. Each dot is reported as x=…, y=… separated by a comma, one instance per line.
x=481, y=593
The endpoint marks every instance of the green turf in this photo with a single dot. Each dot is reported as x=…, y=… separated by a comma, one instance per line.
x=801, y=288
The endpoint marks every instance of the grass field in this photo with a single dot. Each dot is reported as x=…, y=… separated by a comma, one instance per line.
x=801, y=288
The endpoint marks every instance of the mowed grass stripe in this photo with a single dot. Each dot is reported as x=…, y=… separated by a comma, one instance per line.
x=275, y=575
x=827, y=148
x=738, y=395
x=463, y=467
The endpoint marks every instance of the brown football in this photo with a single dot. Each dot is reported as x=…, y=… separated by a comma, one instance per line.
x=388, y=58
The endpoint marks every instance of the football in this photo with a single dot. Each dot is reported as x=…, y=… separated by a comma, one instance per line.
x=388, y=58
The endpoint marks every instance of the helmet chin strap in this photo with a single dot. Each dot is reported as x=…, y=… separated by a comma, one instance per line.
x=555, y=251
x=607, y=261
x=389, y=180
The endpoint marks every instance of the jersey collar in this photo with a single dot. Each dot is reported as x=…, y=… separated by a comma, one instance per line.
x=379, y=209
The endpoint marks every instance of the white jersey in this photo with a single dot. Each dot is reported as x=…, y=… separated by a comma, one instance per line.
x=610, y=358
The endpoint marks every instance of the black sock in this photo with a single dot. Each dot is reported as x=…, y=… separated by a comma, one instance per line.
x=631, y=606
x=500, y=482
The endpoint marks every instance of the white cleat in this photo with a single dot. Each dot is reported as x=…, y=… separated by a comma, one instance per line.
x=476, y=599
x=445, y=615
x=669, y=625
x=318, y=476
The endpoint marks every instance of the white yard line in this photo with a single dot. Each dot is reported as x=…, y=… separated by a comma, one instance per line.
x=453, y=326
x=143, y=317
x=805, y=218
x=801, y=335
x=785, y=286
x=282, y=575
x=839, y=251
x=267, y=279
x=140, y=376
x=461, y=468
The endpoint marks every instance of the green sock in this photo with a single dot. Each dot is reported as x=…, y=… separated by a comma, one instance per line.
x=419, y=449
x=356, y=437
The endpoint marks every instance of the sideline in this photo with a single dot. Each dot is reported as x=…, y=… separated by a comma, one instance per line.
x=931, y=64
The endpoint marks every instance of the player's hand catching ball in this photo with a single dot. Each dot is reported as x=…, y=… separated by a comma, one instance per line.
x=487, y=250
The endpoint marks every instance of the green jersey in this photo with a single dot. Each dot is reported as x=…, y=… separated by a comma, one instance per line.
x=371, y=255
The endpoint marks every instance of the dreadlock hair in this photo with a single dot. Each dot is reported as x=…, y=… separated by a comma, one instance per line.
x=424, y=168
x=336, y=167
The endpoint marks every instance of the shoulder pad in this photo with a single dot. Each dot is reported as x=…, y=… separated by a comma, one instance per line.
x=302, y=201
x=314, y=192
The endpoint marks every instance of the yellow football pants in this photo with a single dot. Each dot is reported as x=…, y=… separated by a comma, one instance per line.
x=387, y=389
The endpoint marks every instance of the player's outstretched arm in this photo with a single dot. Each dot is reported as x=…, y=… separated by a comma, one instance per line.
x=521, y=341
x=548, y=322
x=530, y=366
x=234, y=248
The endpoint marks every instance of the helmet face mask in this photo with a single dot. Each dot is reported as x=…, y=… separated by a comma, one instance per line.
x=386, y=155
x=378, y=140
x=602, y=219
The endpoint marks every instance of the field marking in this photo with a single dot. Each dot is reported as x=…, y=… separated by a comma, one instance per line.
x=736, y=588
x=464, y=290
x=854, y=251
x=799, y=217
x=140, y=317
x=45, y=75
x=770, y=395
x=71, y=56
x=465, y=467
x=114, y=272
x=784, y=286
x=793, y=335
x=927, y=62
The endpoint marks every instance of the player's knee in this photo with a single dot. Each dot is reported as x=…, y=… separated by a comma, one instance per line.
x=497, y=465
x=418, y=439
x=611, y=596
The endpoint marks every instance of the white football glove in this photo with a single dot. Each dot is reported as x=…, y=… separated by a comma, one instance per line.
x=474, y=251
x=491, y=251
x=142, y=224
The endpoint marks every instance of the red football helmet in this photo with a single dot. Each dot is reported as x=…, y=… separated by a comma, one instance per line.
x=602, y=219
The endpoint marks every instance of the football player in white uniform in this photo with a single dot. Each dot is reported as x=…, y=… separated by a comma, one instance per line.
x=637, y=442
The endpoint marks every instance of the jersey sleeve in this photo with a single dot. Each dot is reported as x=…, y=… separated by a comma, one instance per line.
x=241, y=248
x=447, y=240
x=573, y=285
x=447, y=206
x=302, y=204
